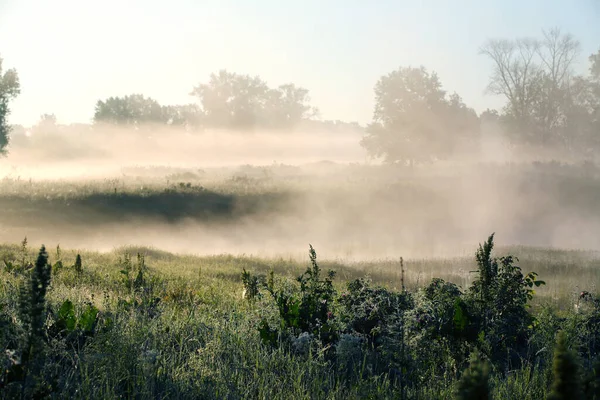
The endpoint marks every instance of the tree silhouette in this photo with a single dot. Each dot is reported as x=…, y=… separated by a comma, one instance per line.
x=536, y=78
x=415, y=121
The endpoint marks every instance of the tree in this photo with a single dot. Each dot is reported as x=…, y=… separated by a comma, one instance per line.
x=188, y=115
x=414, y=120
x=236, y=101
x=230, y=100
x=132, y=110
x=490, y=115
x=535, y=78
x=9, y=89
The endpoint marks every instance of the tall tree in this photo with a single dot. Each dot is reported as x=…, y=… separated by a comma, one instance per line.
x=236, y=101
x=231, y=100
x=9, y=89
x=287, y=106
x=535, y=77
x=415, y=121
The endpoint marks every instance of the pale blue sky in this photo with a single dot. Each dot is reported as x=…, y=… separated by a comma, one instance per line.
x=69, y=53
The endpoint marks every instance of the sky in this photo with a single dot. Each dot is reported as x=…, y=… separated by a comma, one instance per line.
x=71, y=53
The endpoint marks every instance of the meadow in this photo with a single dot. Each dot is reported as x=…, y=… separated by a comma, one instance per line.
x=183, y=283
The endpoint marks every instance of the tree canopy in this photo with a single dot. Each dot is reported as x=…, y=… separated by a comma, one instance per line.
x=242, y=102
x=415, y=120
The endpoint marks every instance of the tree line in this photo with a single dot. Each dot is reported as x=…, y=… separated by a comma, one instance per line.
x=229, y=100
x=547, y=105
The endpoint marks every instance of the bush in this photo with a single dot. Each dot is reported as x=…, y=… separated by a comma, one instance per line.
x=567, y=383
x=474, y=382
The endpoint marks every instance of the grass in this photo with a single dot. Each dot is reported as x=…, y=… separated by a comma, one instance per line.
x=204, y=343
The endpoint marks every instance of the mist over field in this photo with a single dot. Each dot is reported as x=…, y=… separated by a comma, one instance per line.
x=272, y=193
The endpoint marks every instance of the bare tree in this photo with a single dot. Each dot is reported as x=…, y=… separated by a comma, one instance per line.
x=515, y=75
x=535, y=77
x=557, y=53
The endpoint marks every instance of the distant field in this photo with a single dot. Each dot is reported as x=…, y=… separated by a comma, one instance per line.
x=364, y=218
x=349, y=211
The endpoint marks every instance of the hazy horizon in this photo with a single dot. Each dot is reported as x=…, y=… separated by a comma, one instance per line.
x=70, y=54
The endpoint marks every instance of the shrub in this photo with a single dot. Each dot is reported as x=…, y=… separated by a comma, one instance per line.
x=498, y=299
x=474, y=382
x=307, y=309
x=566, y=384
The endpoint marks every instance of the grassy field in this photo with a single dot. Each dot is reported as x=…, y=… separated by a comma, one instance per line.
x=143, y=322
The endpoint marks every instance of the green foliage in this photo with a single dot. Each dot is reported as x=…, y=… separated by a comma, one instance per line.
x=368, y=310
x=32, y=314
x=252, y=285
x=58, y=264
x=316, y=301
x=17, y=268
x=567, y=379
x=307, y=309
x=498, y=300
x=591, y=381
x=129, y=110
x=68, y=320
x=134, y=275
x=474, y=382
x=205, y=341
x=140, y=286
x=33, y=308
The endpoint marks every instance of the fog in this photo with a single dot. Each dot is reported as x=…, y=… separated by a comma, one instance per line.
x=290, y=190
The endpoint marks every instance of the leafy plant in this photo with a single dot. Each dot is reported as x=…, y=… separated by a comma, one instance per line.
x=498, y=299
x=140, y=286
x=368, y=310
x=85, y=322
x=308, y=309
x=27, y=368
x=316, y=300
x=58, y=264
x=252, y=285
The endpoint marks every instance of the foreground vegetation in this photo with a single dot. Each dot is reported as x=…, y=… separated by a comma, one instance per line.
x=144, y=323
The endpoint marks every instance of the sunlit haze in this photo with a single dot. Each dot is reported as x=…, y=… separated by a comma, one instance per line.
x=71, y=53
